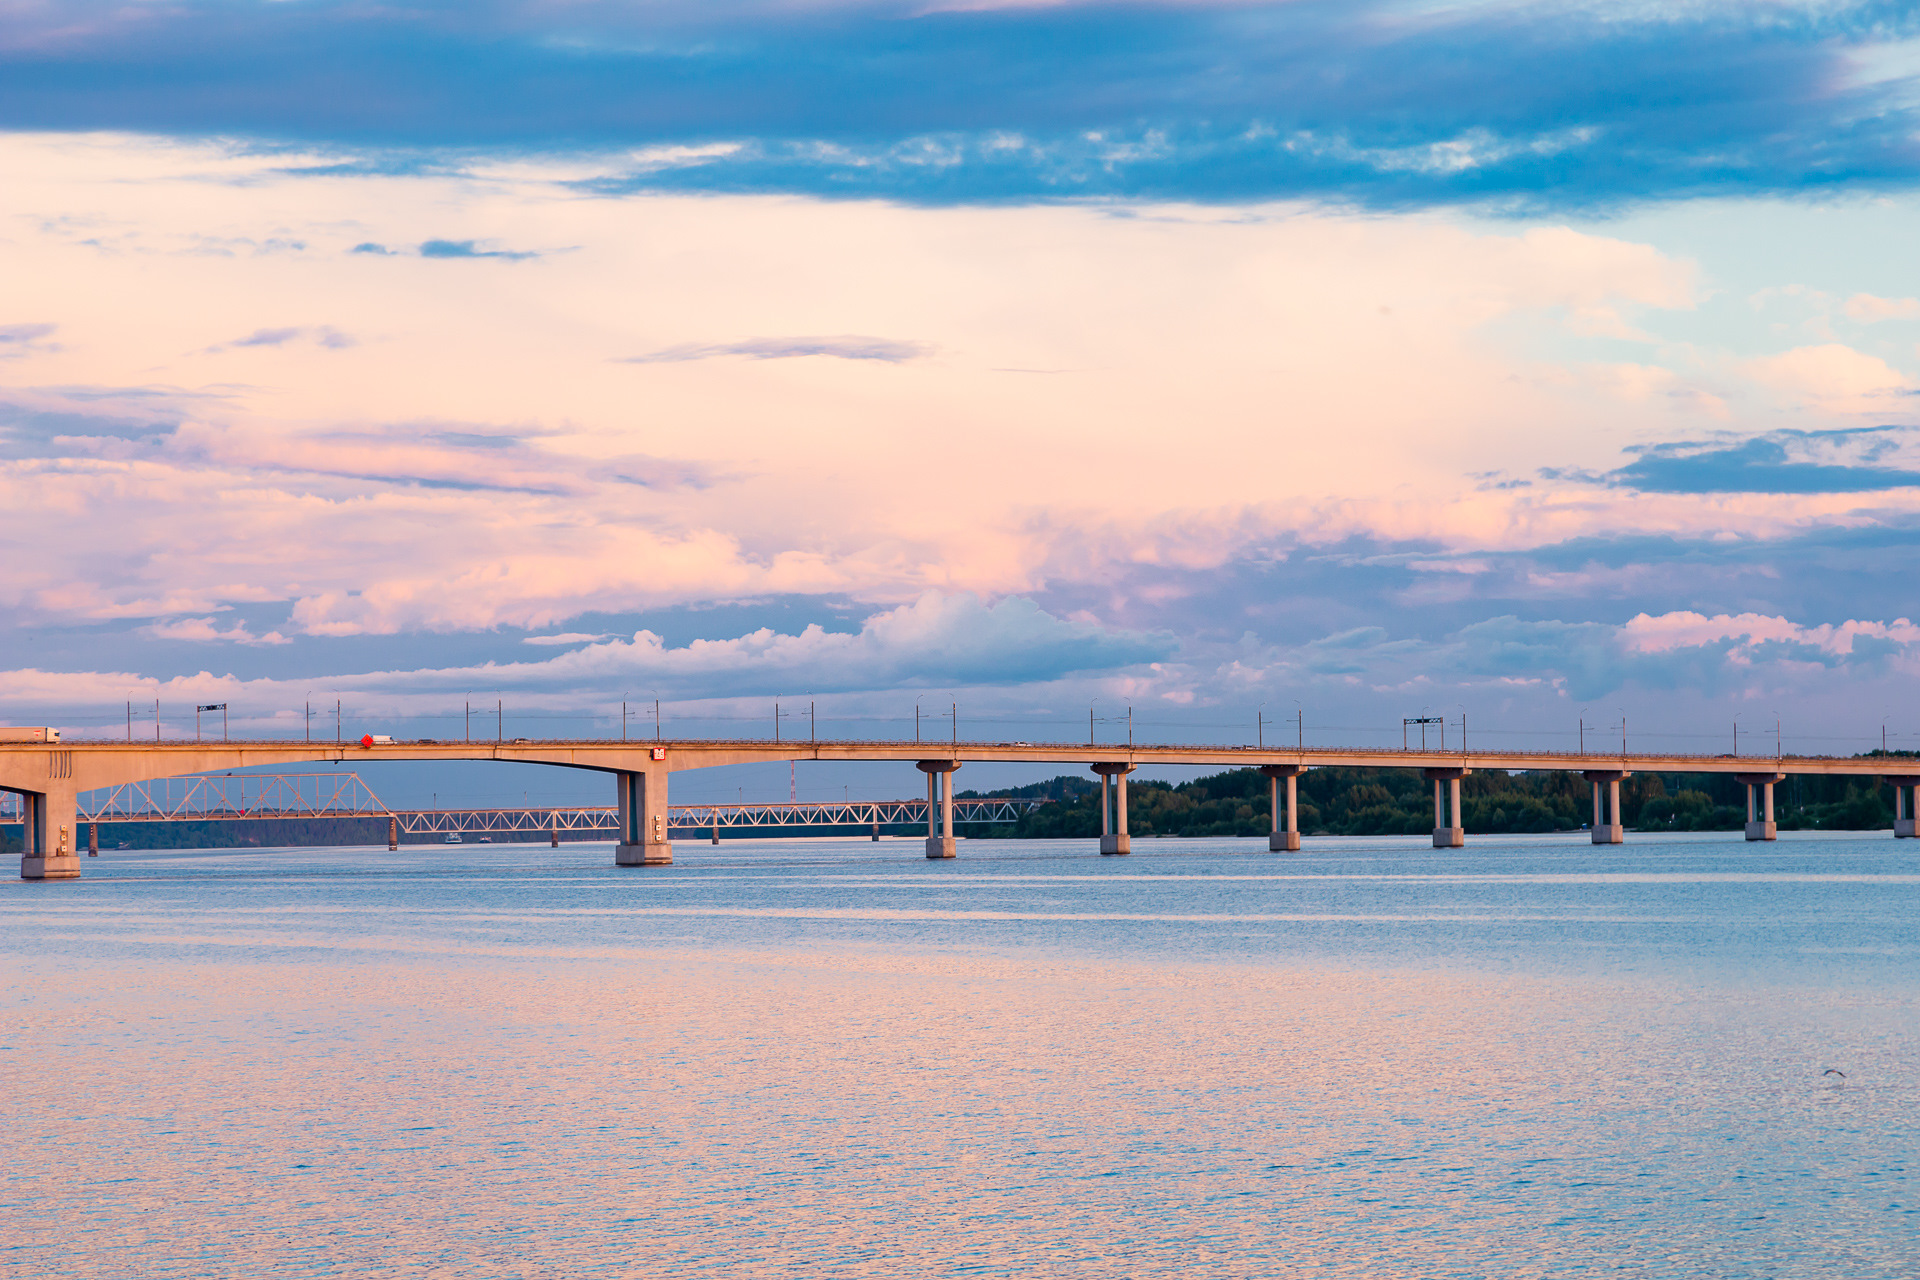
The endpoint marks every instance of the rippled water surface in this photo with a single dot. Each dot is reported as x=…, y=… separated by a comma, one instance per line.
x=1528, y=1058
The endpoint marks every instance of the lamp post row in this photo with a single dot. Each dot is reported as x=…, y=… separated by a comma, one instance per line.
x=1300, y=733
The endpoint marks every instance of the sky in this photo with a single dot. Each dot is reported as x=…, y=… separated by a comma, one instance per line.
x=1233, y=371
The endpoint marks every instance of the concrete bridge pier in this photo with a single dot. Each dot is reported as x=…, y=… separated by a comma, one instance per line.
x=1760, y=817
x=644, y=842
x=1449, y=832
x=1113, y=808
x=1906, y=795
x=49, y=830
x=939, y=806
x=393, y=834
x=1285, y=840
x=1607, y=826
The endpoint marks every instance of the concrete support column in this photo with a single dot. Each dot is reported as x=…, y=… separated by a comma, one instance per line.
x=93, y=839
x=553, y=830
x=1284, y=837
x=939, y=806
x=393, y=834
x=644, y=838
x=947, y=810
x=1607, y=826
x=1906, y=799
x=1449, y=831
x=1760, y=825
x=1113, y=808
x=716, y=830
x=49, y=850
x=1293, y=811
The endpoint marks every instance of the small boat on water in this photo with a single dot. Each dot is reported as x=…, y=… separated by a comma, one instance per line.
x=453, y=837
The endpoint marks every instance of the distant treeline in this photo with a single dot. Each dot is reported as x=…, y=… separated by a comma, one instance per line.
x=1373, y=802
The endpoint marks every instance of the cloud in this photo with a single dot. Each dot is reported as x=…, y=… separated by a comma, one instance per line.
x=1681, y=655
x=1327, y=380
x=1753, y=632
x=1363, y=101
x=937, y=642
x=25, y=339
x=845, y=347
x=469, y=249
x=566, y=638
x=52, y=422
x=1868, y=309
x=436, y=248
x=1832, y=377
x=1842, y=461
x=207, y=629
x=324, y=336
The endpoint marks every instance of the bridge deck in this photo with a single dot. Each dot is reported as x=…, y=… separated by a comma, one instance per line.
x=128, y=760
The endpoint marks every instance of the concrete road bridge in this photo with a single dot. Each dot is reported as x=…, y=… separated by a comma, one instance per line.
x=49, y=776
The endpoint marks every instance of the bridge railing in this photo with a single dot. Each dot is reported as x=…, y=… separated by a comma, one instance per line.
x=1595, y=753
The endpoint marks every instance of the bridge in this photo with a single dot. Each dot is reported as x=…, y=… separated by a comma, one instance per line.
x=51, y=775
x=244, y=796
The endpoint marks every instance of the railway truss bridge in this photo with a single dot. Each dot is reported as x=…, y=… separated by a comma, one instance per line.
x=340, y=796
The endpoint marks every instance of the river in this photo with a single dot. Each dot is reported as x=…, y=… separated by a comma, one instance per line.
x=1528, y=1058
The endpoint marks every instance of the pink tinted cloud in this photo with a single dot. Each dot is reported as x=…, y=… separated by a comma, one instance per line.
x=1685, y=629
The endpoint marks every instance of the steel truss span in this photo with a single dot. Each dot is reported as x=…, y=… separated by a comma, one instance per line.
x=236, y=797
x=692, y=818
